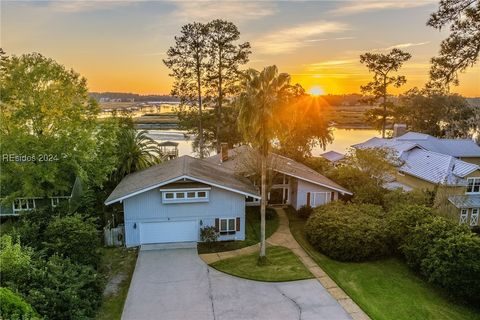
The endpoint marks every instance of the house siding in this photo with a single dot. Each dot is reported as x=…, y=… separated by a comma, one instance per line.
x=148, y=207
x=303, y=187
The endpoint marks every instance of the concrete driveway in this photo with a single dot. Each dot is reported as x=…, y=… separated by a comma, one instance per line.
x=176, y=284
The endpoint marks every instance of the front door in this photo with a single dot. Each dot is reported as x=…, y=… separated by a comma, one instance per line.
x=276, y=196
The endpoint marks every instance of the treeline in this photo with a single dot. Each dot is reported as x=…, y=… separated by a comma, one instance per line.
x=127, y=96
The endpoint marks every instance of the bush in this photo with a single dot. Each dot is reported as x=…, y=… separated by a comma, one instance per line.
x=14, y=260
x=73, y=237
x=61, y=289
x=208, y=234
x=453, y=263
x=348, y=232
x=305, y=212
x=402, y=219
x=397, y=197
x=13, y=307
x=421, y=238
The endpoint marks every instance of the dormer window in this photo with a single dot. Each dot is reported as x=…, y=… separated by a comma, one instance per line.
x=473, y=185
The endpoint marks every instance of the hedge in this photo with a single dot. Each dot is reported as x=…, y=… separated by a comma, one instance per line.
x=13, y=307
x=349, y=232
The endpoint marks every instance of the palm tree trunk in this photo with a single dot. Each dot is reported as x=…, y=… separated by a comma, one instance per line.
x=263, y=203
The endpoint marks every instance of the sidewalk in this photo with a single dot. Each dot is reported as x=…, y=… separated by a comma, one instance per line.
x=283, y=237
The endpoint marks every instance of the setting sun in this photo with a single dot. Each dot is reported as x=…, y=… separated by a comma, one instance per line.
x=316, y=91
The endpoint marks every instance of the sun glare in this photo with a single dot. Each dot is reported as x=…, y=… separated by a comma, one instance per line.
x=316, y=91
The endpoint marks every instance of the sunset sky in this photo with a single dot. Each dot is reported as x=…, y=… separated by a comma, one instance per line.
x=119, y=46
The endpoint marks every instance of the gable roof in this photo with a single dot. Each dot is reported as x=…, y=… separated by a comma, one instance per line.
x=453, y=147
x=184, y=167
x=436, y=167
x=282, y=164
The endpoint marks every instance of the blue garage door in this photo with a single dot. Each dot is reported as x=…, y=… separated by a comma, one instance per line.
x=168, y=231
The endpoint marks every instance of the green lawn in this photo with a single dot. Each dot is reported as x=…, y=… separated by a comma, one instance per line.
x=385, y=289
x=118, y=264
x=252, y=232
x=282, y=265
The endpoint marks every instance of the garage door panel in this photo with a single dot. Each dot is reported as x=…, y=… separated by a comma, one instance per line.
x=168, y=231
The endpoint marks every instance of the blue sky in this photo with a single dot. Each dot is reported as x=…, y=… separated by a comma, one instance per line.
x=119, y=45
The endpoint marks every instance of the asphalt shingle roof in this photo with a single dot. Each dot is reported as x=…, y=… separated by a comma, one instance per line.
x=175, y=169
x=237, y=158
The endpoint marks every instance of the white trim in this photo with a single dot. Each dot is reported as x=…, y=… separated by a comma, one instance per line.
x=185, y=198
x=228, y=230
x=317, y=183
x=463, y=216
x=176, y=179
x=185, y=189
x=327, y=194
x=473, y=186
x=474, y=217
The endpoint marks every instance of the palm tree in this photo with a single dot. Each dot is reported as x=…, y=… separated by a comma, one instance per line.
x=136, y=151
x=263, y=95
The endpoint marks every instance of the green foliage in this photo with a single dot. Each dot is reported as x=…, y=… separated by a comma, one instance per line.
x=60, y=289
x=15, y=260
x=382, y=65
x=398, y=197
x=305, y=212
x=437, y=114
x=349, y=232
x=453, y=263
x=401, y=219
x=13, y=307
x=421, y=238
x=208, y=234
x=47, y=114
x=460, y=50
x=73, y=237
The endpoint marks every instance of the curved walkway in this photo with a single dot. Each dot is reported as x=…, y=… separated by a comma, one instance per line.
x=283, y=237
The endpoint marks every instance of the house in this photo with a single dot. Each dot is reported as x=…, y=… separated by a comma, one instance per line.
x=421, y=166
x=172, y=201
x=292, y=184
x=30, y=203
x=333, y=157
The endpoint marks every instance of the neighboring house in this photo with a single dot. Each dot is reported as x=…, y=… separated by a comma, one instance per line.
x=172, y=201
x=333, y=157
x=293, y=184
x=456, y=181
x=29, y=203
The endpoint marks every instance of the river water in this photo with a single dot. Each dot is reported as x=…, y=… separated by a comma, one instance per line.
x=343, y=139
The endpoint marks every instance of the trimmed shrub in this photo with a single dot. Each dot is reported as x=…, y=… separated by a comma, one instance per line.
x=73, y=237
x=208, y=234
x=305, y=212
x=403, y=218
x=61, y=289
x=453, y=263
x=348, y=232
x=421, y=238
x=13, y=307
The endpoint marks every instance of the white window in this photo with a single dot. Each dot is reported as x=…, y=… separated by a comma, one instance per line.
x=473, y=185
x=463, y=216
x=185, y=196
x=23, y=204
x=320, y=198
x=474, y=217
x=228, y=226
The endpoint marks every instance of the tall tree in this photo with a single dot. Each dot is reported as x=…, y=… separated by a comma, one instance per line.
x=224, y=61
x=263, y=96
x=437, y=114
x=187, y=61
x=303, y=125
x=462, y=47
x=382, y=65
x=48, y=119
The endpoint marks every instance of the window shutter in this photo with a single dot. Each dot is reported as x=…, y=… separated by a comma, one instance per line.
x=308, y=199
x=332, y=196
x=217, y=224
x=237, y=225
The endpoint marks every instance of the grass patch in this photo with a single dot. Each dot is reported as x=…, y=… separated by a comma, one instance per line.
x=281, y=265
x=385, y=289
x=118, y=264
x=252, y=232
